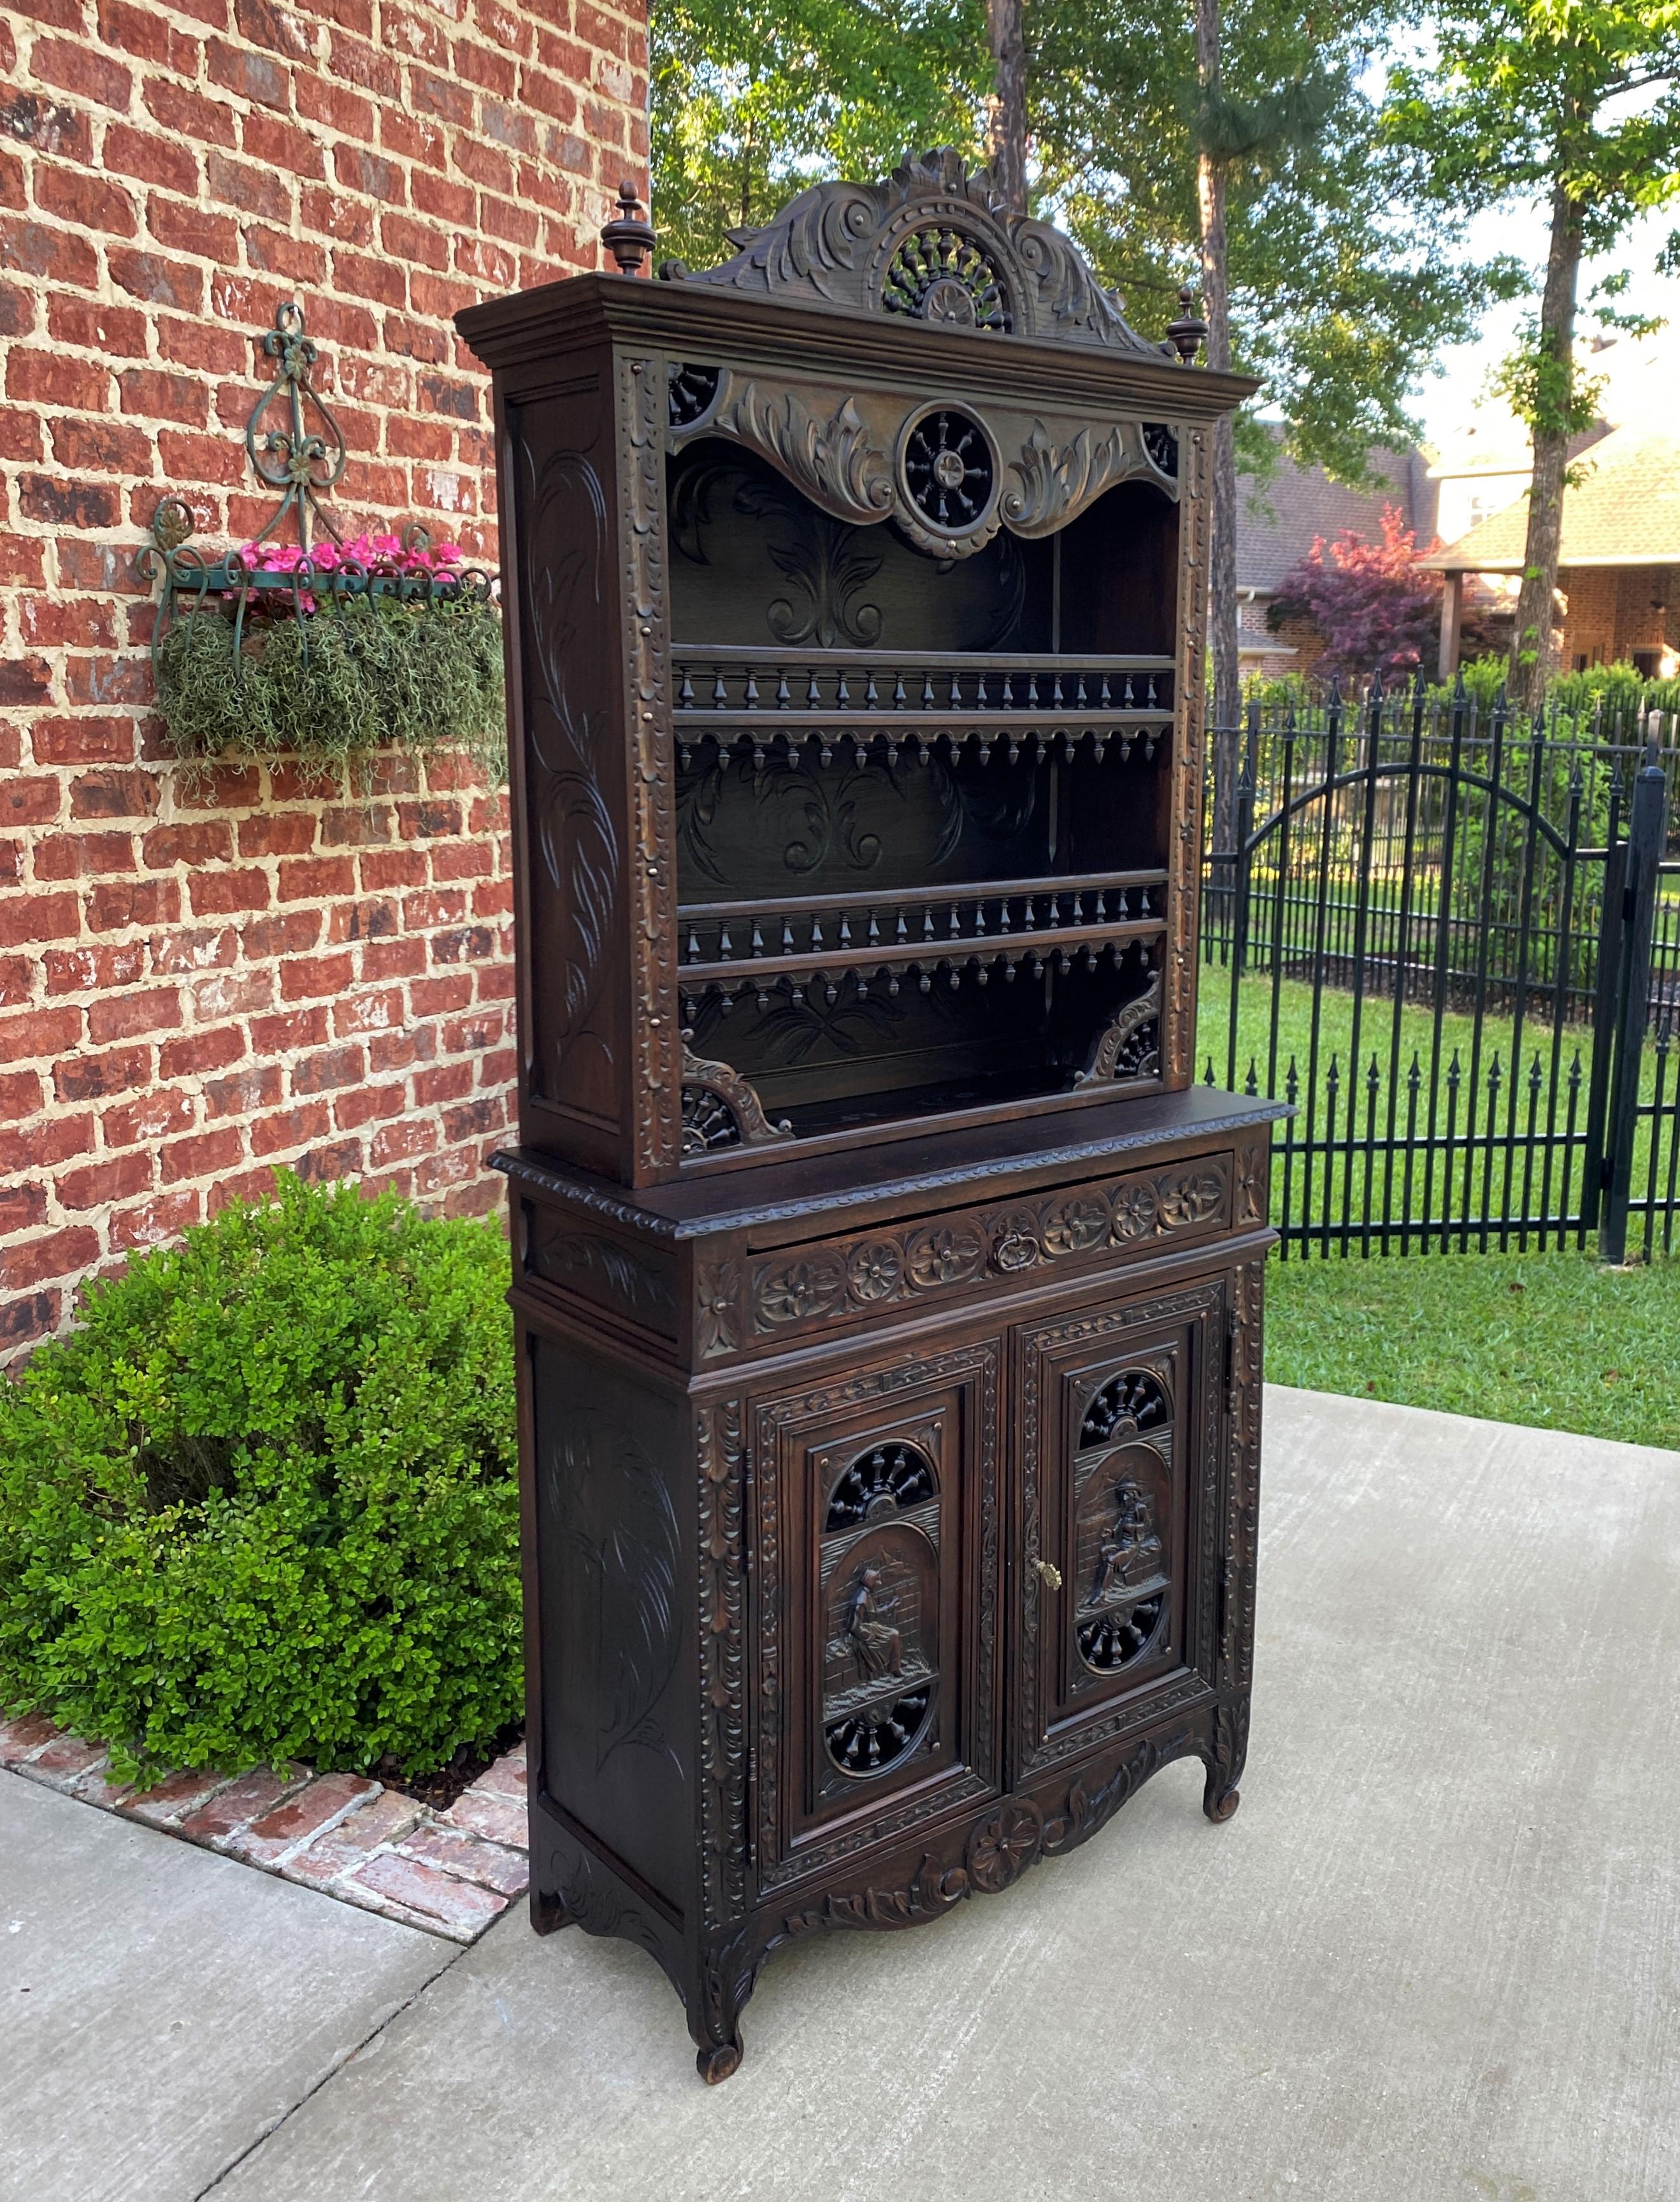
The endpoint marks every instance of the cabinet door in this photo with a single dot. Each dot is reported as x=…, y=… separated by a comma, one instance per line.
x=876, y=1599
x=1121, y=1429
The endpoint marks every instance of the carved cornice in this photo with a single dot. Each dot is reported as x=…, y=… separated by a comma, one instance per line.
x=935, y=244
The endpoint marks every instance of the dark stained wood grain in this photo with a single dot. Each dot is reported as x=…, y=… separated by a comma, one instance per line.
x=888, y=1299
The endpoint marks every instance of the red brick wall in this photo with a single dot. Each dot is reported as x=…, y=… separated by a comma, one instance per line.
x=194, y=987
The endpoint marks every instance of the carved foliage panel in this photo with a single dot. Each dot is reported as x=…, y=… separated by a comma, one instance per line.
x=951, y=475
x=638, y=1284
x=1121, y=1469
x=876, y=1605
x=742, y=1302
x=576, y=838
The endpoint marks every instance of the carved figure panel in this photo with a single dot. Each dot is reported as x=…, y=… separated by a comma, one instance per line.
x=877, y=1499
x=1122, y=1521
x=1121, y=1472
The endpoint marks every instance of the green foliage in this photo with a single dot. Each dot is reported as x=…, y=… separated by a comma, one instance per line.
x=1530, y=100
x=1615, y=698
x=1344, y=284
x=262, y=1504
x=336, y=684
x=750, y=103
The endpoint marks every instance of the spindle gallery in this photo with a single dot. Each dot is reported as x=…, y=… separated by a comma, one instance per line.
x=888, y=1296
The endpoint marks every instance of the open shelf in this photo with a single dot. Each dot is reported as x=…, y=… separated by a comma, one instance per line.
x=928, y=874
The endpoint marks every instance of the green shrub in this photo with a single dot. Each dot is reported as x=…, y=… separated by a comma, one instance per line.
x=262, y=1504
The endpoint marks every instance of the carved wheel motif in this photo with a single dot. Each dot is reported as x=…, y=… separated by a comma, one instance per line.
x=708, y=1122
x=1133, y=1401
x=868, y=1741
x=721, y=1109
x=949, y=472
x=692, y=391
x=937, y=274
x=1002, y=1847
x=877, y=1483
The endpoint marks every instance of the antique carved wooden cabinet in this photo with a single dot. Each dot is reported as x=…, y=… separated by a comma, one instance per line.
x=888, y=1293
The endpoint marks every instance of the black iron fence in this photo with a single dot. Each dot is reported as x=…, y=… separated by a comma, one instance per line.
x=1452, y=941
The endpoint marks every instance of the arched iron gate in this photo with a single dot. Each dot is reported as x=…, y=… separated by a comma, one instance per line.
x=1454, y=944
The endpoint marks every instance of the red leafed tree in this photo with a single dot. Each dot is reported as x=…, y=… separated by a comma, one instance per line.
x=1375, y=608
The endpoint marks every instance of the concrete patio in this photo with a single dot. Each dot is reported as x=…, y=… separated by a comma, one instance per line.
x=1437, y=1953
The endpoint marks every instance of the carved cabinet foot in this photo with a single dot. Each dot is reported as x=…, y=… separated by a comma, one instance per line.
x=548, y=1913
x=1218, y=1801
x=718, y=2062
x=1227, y=1750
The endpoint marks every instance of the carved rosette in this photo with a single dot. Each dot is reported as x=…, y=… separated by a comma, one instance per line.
x=1185, y=822
x=723, y=1730
x=642, y=404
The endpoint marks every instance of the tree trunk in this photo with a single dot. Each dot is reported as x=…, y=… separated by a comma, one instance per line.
x=1006, y=108
x=1222, y=515
x=1531, y=651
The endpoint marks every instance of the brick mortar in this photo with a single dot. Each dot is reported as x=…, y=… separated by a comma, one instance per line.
x=196, y=985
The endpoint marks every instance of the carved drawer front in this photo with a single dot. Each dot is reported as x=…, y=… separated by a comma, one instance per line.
x=1121, y=1436
x=877, y=1604
x=771, y=1298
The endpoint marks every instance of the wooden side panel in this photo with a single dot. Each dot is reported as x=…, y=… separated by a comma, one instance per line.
x=572, y=842
x=611, y=1526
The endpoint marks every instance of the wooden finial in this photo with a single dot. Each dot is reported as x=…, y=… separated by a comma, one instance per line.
x=630, y=239
x=1189, y=333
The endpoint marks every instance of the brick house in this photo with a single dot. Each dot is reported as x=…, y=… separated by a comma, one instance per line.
x=1278, y=523
x=1618, y=566
x=195, y=987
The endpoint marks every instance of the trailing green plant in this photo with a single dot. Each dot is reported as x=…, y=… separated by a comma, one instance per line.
x=331, y=686
x=263, y=1503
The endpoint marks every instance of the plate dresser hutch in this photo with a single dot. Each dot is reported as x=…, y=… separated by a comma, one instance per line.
x=888, y=1292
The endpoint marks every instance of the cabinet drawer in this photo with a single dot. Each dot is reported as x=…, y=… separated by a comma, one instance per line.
x=761, y=1300
x=876, y=1603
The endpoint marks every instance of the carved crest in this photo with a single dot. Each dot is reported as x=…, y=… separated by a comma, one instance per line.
x=936, y=244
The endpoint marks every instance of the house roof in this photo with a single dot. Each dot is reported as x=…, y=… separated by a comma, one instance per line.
x=1623, y=511
x=1301, y=504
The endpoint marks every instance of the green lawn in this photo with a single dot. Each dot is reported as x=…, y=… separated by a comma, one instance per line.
x=1554, y=1340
